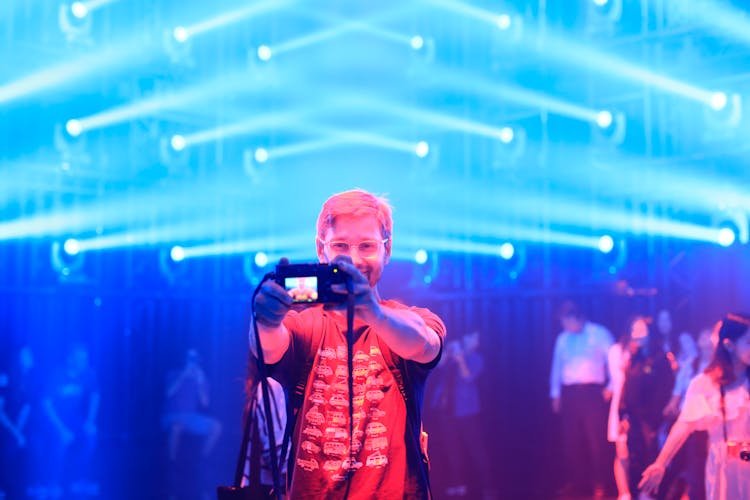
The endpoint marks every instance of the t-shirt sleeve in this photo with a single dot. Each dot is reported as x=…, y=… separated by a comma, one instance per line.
x=697, y=408
x=302, y=326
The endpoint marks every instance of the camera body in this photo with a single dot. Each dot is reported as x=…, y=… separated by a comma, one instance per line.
x=311, y=283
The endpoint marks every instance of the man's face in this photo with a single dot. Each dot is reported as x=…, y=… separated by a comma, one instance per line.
x=354, y=231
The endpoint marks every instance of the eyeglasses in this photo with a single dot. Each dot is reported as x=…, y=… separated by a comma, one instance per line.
x=366, y=248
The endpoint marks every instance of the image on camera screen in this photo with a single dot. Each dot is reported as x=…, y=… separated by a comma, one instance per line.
x=302, y=288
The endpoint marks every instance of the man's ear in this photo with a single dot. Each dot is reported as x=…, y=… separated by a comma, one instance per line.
x=388, y=248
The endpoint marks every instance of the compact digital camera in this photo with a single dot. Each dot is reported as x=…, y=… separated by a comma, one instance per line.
x=311, y=283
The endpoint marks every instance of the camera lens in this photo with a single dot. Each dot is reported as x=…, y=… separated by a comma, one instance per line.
x=745, y=455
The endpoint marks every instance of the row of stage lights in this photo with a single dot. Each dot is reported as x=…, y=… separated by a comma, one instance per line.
x=606, y=244
x=610, y=123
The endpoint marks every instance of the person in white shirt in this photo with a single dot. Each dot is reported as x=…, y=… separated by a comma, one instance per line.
x=579, y=393
x=717, y=400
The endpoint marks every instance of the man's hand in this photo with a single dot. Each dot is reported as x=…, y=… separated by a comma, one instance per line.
x=606, y=395
x=271, y=304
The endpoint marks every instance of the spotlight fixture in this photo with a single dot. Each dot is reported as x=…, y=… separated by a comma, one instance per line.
x=420, y=256
x=261, y=155
x=264, y=52
x=416, y=42
x=422, y=149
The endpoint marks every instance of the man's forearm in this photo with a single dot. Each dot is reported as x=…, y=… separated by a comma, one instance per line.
x=273, y=340
x=406, y=333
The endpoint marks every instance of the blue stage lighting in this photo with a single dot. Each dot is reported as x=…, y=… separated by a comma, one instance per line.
x=178, y=142
x=504, y=21
x=422, y=149
x=507, y=250
x=79, y=9
x=264, y=52
x=718, y=100
x=416, y=42
x=606, y=244
x=180, y=34
x=261, y=259
x=420, y=256
x=177, y=253
x=600, y=3
x=73, y=128
x=71, y=246
x=726, y=236
x=604, y=119
x=506, y=135
x=261, y=155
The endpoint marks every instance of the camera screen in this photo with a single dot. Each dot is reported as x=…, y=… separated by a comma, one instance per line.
x=302, y=288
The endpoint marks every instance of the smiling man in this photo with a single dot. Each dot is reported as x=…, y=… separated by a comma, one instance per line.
x=395, y=347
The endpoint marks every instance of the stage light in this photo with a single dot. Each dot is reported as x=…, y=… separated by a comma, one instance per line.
x=504, y=21
x=63, y=262
x=261, y=259
x=71, y=246
x=261, y=155
x=264, y=52
x=726, y=237
x=73, y=128
x=416, y=42
x=178, y=142
x=604, y=119
x=507, y=250
x=79, y=10
x=180, y=34
x=600, y=3
x=611, y=127
x=177, y=253
x=718, y=100
x=420, y=256
x=606, y=244
x=422, y=149
x=506, y=135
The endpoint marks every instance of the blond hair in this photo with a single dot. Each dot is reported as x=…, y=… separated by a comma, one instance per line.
x=356, y=203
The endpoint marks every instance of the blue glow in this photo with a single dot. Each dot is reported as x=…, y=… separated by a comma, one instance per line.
x=726, y=237
x=71, y=246
x=604, y=119
x=422, y=149
x=261, y=259
x=507, y=250
x=177, y=253
x=420, y=256
x=606, y=244
x=79, y=9
x=74, y=70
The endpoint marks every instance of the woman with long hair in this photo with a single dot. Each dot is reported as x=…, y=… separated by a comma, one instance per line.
x=646, y=390
x=718, y=401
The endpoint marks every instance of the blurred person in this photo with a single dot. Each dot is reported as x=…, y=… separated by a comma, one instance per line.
x=394, y=349
x=618, y=361
x=469, y=463
x=187, y=399
x=717, y=401
x=646, y=391
x=71, y=405
x=579, y=393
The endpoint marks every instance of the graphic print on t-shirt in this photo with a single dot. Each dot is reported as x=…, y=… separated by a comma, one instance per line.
x=325, y=425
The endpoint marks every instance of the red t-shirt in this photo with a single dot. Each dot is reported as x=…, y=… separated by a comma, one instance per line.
x=386, y=459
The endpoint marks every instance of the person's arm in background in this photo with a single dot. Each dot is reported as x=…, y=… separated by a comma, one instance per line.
x=608, y=342
x=6, y=422
x=49, y=409
x=90, y=425
x=654, y=473
x=555, y=376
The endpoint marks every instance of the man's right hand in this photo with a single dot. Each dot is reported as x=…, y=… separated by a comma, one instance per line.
x=271, y=304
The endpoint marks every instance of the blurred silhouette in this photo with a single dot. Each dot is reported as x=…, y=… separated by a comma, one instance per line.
x=71, y=405
x=187, y=400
